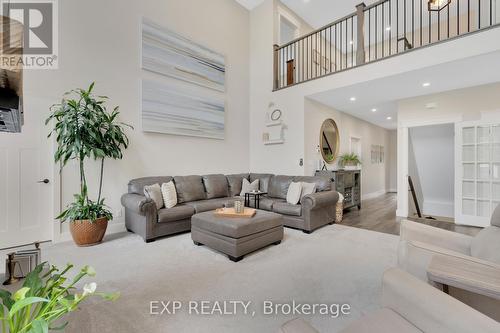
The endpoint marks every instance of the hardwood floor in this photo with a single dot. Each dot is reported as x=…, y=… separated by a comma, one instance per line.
x=379, y=214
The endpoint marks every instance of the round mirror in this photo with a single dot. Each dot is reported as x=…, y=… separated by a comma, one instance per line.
x=329, y=140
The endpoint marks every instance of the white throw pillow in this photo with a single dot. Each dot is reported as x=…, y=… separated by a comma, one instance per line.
x=246, y=187
x=308, y=188
x=293, y=194
x=153, y=192
x=169, y=194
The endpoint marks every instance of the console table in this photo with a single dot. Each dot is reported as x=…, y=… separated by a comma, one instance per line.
x=346, y=182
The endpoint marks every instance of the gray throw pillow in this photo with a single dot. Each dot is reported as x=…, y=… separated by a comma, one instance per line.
x=153, y=192
x=246, y=187
x=307, y=188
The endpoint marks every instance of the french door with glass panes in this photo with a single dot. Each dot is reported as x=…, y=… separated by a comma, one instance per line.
x=478, y=177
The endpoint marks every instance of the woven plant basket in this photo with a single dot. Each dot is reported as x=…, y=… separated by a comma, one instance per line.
x=87, y=233
x=339, y=209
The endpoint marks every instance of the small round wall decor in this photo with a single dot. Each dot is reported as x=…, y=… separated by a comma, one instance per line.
x=276, y=115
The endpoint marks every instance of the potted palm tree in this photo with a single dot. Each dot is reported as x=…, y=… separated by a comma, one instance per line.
x=84, y=129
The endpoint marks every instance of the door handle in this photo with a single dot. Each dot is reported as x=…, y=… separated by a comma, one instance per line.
x=45, y=181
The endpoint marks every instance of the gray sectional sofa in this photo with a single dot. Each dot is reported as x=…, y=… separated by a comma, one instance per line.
x=196, y=194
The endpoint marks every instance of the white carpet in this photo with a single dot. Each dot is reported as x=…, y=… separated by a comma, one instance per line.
x=335, y=264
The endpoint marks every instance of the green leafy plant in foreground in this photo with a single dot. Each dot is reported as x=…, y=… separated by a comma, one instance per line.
x=46, y=296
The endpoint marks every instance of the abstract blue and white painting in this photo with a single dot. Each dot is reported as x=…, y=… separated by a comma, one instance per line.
x=187, y=95
x=169, y=109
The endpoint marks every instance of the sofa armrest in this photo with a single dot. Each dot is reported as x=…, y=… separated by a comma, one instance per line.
x=320, y=199
x=138, y=203
x=413, y=231
x=297, y=325
x=428, y=308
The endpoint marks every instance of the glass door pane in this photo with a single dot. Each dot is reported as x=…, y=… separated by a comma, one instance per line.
x=483, y=208
x=483, y=190
x=495, y=133
x=469, y=171
x=483, y=134
x=468, y=134
x=468, y=190
x=483, y=171
x=483, y=153
x=469, y=153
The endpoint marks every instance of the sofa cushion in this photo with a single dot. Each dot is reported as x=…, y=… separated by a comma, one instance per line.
x=216, y=186
x=287, y=209
x=278, y=186
x=486, y=245
x=177, y=213
x=237, y=227
x=381, y=321
x=234, y=183
x=266, y=203
x=264, y=179
x=189, y=188
x=322, y=183
x=137, y=185
x=210, y=204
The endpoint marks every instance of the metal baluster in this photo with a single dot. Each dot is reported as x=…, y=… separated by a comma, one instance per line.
x=439, y=26
x=376, y=33
x=413, y=22
x=458, y=17
x=448, y=14
x=352, y=41
x=421, y=25
x=390, y=27
x=468, y=15
x=397, y=26
x=369, y=35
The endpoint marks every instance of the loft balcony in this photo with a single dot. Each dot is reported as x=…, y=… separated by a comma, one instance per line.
x=372, y=33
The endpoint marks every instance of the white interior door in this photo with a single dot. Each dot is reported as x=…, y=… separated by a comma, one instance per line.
x=26, y=201
x=478, y=179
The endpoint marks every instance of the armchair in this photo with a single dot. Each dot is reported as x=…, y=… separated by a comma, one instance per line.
x=419, y=243
x=411, y=306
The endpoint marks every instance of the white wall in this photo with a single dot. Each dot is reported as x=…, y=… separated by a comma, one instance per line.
x=433, y=148
x=471, y=104
x=100, y=40
x=392, y=158
x=373, y=176
x=285, y=158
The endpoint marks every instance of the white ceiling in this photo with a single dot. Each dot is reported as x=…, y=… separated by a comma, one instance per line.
x=318, y=13
x=383, y=94
x=249, y=4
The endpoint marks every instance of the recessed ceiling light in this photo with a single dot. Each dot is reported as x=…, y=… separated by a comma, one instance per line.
x=388, y=28
x=389, y=118
x=374, y=110
x=426, y=84
x=352, y=99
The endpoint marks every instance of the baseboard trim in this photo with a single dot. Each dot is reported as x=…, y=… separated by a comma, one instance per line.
x=373, y=195
x=113, y=228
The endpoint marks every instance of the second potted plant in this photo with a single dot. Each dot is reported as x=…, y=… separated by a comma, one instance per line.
x=349, y=161
x=84, y=129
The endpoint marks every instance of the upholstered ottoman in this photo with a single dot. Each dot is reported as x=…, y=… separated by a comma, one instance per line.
x=237, y=236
